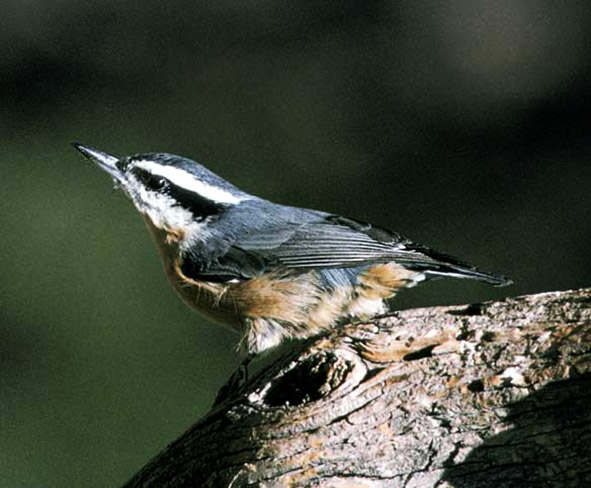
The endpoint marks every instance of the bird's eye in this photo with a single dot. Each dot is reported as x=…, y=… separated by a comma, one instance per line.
x=155, y=182
x=150, y=181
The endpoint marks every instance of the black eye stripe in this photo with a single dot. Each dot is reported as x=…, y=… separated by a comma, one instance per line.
x=197, y=204
x=152, y=181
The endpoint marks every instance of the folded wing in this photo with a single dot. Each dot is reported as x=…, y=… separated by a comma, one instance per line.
x=334, y=242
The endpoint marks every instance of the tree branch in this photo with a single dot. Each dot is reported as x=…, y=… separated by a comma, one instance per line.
x=486, y=395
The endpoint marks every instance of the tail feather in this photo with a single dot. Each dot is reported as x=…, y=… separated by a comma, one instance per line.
x=469, y=274
x=446, y=266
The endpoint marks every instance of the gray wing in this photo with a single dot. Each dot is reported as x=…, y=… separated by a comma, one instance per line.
x=329, y=243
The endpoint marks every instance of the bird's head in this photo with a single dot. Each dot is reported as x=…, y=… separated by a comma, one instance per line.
x=176, y=194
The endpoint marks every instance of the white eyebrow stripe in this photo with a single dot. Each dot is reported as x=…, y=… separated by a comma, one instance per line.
x=187, y=181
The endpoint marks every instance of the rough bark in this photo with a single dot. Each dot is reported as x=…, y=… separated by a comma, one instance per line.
x=486, y=395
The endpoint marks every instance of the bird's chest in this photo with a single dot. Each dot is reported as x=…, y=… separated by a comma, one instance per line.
x=205, y=297
x=287, y=299
x=213, y=300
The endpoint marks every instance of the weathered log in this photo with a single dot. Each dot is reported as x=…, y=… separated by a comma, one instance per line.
x=487, y=395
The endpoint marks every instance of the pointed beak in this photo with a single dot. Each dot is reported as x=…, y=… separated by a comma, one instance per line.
x=103, y=160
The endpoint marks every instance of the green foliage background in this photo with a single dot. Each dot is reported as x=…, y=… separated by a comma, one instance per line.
x=464, y=125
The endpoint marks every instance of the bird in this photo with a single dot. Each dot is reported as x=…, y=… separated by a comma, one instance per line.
x=267, y=271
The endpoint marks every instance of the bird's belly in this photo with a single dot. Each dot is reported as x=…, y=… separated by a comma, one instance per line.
x=271, y=307
x=208, y=299
x=294, y=302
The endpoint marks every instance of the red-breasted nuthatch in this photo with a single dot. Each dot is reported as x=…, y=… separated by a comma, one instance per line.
x=268, y=271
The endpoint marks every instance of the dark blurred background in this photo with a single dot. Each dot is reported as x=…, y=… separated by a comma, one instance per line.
x=463, y=125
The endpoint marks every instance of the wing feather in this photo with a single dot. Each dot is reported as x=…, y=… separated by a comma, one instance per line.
x=333, y=242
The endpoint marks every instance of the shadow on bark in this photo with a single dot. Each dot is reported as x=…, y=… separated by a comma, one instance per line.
x=547, y=445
